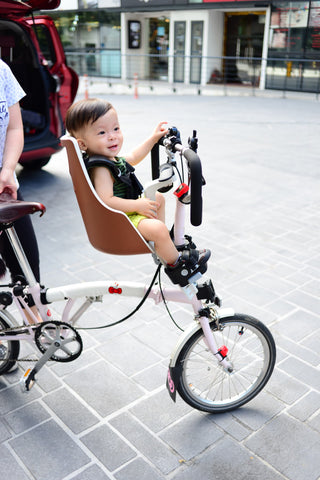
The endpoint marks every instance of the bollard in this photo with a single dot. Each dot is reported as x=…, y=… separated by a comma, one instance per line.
x=86, y=93
x=135, y=81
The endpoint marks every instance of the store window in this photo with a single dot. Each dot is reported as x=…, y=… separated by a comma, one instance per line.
x=294, y=47
x=289, y=23
x=91, y=40
x=313, y=33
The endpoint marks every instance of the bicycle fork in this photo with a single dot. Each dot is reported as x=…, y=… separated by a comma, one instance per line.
x=219, y=353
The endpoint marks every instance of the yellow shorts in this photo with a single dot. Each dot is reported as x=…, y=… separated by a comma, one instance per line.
x=135, y=218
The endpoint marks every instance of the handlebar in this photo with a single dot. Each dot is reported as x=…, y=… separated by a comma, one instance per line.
x=172, y=142
x=194, y=165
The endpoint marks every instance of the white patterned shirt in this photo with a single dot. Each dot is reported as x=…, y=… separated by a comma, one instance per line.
x=10, y=93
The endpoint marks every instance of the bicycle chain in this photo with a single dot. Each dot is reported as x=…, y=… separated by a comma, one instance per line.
x=17, y=329
x=24, y=328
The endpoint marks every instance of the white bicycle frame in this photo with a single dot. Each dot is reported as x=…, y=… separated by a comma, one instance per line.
x=94, y=291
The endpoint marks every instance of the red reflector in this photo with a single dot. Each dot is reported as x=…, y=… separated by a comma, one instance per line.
x=115, y=290
x=223, y=351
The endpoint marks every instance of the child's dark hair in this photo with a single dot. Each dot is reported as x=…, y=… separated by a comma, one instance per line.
x=85, y=111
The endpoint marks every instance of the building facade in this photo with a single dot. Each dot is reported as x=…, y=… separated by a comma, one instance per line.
x=263, y=43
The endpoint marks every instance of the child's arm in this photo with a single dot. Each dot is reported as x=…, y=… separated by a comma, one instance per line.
x=140, y=152
x=103, y=183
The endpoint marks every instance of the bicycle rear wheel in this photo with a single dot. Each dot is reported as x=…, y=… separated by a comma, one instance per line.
x=206, y=386
x=9, y=349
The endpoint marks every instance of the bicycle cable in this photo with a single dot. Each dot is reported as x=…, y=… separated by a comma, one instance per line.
x=133, y=311
x=166, y=305
x=157, y=274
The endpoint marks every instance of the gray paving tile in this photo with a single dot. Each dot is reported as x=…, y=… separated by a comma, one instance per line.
x=157, y=411
x=306, y=406
x=302, y=371
x=108, y=447
x=299, y=459
x=306, y=353
x=42, y=449
x=259, y=411
x=128, y=354
x=26, y=417
x=231, y=425
x=152, y=377
x=12, y=398
x=298, y=324
x=74, y=414
x=314, y=422
x=92, y=473
x=4, y=432
x=150, y=446
x=8, y=464
x=96, y=386
x=217, y=463
x=286, y=388
x=161, y=337
x=138, y=469
x=192, y=436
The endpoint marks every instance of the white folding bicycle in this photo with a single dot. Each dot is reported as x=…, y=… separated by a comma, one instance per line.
x=220, y=362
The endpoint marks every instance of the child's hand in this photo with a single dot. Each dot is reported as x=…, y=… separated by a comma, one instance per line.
x=146, y=207
x=160, y=131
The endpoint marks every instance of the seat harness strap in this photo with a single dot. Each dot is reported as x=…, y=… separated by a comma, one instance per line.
x=133, y=187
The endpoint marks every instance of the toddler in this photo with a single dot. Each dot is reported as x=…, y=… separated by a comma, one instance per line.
x=95, y=125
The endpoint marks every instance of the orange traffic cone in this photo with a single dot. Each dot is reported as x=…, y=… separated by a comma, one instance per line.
x=135, y=81
x=86, y=93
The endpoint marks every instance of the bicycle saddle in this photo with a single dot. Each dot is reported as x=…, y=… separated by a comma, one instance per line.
x=11, y=210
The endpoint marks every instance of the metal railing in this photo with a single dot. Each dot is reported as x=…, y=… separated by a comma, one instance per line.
x=287, y=74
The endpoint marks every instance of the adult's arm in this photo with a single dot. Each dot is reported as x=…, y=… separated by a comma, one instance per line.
x=12, y=150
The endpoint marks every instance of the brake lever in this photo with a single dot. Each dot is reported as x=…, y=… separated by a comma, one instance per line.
x=193, y=141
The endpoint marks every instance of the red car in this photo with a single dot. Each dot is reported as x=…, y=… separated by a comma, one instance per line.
x=33, y=50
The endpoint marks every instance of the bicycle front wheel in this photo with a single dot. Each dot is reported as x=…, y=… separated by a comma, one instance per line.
x=9, y=349
x=206, y=386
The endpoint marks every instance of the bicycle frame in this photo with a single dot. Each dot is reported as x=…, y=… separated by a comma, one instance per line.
x=94, y=291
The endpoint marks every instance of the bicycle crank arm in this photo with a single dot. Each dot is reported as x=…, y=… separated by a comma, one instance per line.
x=28, y=379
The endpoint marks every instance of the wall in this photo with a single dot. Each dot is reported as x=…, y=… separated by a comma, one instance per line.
x=214, y=45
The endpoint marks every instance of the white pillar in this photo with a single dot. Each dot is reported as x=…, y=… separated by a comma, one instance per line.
x=265, y=49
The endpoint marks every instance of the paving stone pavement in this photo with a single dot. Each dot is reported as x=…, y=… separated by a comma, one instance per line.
x=107, y=415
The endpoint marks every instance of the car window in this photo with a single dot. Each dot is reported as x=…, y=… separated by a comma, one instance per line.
x=45, y=42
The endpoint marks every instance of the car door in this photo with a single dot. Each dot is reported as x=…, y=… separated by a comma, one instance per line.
x=53, y=56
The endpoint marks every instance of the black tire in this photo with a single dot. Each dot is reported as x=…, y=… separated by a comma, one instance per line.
x=12, y=348
x=35, y=164
x=206, y=386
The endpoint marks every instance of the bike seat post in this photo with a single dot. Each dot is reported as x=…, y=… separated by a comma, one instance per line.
x=21, y=257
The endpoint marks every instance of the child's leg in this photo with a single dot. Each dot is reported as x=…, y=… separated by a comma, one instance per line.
x=162, y=206
x=179, y=267
x=156, y=231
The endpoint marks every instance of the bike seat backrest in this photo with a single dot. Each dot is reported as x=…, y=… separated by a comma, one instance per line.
x=108, y=230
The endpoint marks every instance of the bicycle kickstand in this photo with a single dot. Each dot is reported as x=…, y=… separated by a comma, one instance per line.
x=28, y=379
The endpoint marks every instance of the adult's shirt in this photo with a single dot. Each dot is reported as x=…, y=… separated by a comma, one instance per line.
x=10, y=93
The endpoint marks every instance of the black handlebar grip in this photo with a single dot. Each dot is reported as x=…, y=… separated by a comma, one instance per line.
x=194, y=164
x=155, y=161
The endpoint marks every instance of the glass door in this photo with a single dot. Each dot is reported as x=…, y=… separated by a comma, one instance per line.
x=179, y=51
x=196, y=51
x=244, y=33
x=158, y=48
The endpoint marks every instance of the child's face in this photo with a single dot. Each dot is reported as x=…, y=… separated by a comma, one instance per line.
x=103, y=137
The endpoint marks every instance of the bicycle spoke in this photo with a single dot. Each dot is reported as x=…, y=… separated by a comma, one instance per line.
x=206, y=385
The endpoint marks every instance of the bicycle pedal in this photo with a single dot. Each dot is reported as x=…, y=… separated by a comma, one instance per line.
x=28, y=380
